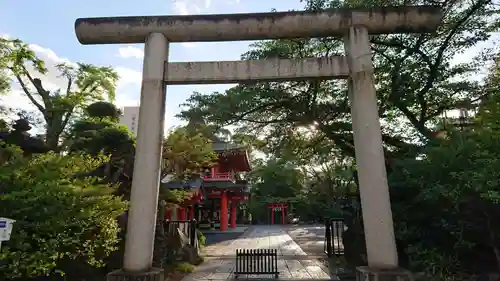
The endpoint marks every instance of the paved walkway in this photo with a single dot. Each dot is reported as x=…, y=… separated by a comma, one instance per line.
x=311, y=238
x=293, y=262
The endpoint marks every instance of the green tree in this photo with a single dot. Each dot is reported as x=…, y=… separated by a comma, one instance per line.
x=330, y=185
x=415, y=76
x=459, y=235
x=102, y=109
x=456, y=180
x=186, y=152
x=85, y=84
x=18, y=135
x=62, y=220
x=99, y=133
x=275, y=181
x=186, y=155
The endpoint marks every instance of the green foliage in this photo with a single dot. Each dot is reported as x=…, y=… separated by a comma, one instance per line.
x=85, y=84
x=94, y=136
x=330, y=186
x=175, y=196
x=102, y=109
x=184, y=267
x=458, y=179
x=61, y=219
x=278, y=178
x=416, y=83
x=201, y=238
x=276, y=181
x=315, y=191
x=186, y=153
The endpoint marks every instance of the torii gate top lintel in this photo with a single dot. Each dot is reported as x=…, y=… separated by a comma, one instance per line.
x=258, y=26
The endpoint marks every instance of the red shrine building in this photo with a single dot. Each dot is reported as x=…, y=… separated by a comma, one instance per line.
x=217, y=193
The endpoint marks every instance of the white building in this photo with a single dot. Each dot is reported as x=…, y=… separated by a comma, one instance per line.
x=130, y=118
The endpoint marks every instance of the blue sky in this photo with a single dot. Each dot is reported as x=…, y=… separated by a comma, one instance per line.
x=49, y=26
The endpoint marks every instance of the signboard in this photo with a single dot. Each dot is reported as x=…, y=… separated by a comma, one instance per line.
x=6, y=228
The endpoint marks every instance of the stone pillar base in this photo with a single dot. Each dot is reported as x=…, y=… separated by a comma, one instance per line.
x=364, y=273
x=154, y=274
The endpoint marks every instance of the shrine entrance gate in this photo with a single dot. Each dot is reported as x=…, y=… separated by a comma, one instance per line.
x=353, y=25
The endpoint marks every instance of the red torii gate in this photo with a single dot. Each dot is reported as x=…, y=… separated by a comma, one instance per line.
x=281, y=206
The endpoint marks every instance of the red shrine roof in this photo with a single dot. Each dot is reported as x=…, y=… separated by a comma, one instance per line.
x=219, y=145
x=231, y=156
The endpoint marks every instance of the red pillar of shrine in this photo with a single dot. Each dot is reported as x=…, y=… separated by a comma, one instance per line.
x=272, y=215
x=181, y=214
x=283, y=220
x=234, y=203
x=168, y=214
x=223, y=211
x=191, y=213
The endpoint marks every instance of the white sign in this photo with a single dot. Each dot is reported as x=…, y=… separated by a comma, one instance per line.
x=6, y=228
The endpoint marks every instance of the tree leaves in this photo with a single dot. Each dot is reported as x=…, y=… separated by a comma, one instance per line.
x=85, y=84
x=415, y=75
x=186, y=153
x=58, y=216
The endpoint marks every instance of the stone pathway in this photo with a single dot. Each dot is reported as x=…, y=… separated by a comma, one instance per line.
x=311, y=238
x=293, y=262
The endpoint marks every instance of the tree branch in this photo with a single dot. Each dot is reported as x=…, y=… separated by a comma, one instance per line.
x=29, y=95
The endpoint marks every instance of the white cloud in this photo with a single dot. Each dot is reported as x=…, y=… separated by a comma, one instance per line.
x=189, y=7
x=49, y=55
x=181, y=8
x=130, y=52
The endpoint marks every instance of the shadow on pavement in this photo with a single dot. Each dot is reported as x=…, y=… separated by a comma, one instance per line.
x=222, y=238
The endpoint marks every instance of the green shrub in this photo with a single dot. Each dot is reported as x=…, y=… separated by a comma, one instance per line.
x=61, y=219
x=199, y=260
x=184, y=267
x=201, y=238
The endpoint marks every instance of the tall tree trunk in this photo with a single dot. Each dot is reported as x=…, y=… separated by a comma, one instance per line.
x=52, y=137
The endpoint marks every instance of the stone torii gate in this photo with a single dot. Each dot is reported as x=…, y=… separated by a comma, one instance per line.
x=353, y=25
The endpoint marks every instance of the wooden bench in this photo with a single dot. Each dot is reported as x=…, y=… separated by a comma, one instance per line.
x=256, y=261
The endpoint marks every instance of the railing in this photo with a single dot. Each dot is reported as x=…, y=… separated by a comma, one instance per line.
x=333, y=237
x=187, y=227
x=218, y=176
x=256, y=261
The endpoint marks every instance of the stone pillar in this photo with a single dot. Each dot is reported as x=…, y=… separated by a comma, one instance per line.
x=234, y=204
x=223, y=211
x=138, y=258
x=174, y=213
x=374, y=190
